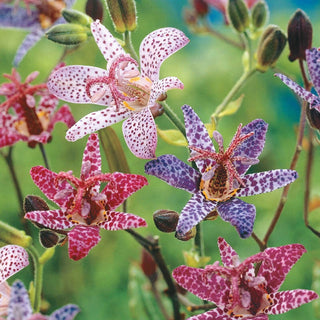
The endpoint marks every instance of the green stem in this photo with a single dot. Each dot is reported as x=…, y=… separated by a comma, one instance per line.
x=128, y=45
x=44, y=156
x=173, y=117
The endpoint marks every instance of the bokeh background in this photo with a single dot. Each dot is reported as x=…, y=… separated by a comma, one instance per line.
x=209, y=68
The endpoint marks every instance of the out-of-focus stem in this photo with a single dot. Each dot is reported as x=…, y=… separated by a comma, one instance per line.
x=44, y=155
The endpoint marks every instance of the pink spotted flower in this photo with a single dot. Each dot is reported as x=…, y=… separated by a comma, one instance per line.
x=240, y=290
x=29, y=111
x=84, y=209
x=128, y=92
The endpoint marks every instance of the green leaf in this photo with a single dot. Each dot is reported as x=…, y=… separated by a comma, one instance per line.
x=316, y=287
x=192, y=259
x=173, y=136
x=113, y=151
x=232, y=107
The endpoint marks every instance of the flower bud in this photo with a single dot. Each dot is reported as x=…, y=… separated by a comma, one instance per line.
x=299, y=35
x=313, y=117
x=157, y=110
x=270, y=47
x=11, y=235
x=189, y=235
x=77, y=17
x=94, y=9
x=68, y=33
x=123, y=14
x=48, y=238
x=166, y=220
x=148, y=265
x=259, y=15
x=238, y=15
x=213, y=215
x=201, y=7
x=34, y=203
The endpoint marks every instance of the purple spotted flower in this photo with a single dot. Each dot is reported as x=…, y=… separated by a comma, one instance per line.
x=241, y=291
x=222, y=177
x=36, y=17
x=128, y=92
x=19, y=307
x=312, y=57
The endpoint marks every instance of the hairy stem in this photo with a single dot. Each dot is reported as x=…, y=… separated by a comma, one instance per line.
x=128, y=45
x=172, y=116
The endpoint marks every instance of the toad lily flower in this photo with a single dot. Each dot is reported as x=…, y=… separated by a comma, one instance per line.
x=241, y=292
x=128, y=92
x=222, y=175
x=20, y=308
x=28, y=121
x=312, y=57
x=36, y=17
x=84, y=209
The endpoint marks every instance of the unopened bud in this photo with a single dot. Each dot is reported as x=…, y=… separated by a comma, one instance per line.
x=123, y=14
x=187, y=236
x=157, y=110
x=313, y=117
x=238, y=15
x=299, y=35
x=11, y=235
x=271, y=45
x=94, y=9
x=148, y=265
x=34, y=203
x=166, y=220
x=48, y=238
x=77, y=17
x=201, y=7
x=213, y=215
x=259, y=15
x=68, y=33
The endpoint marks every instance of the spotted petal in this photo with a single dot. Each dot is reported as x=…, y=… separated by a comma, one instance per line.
x=301, y=92
x=197, y=136
x=81, y=240
x=108, y=45
x=195, y=210
x=228, y=255
x=70, y=84
x=313, y=57
x=62, y=115
x=121, y=186
x=95, y=121
x=140, y=133
x=212, y=288
x=158, y=46
x=218, y=314
x=287, y=300
x=12, y=259
x=175, y=172
x=253, y=146
x=280, y=262
x=121, y=221
x=68, y=312
x=240, y=214
x=53, y=219
x=263, y=182
x=17, y=17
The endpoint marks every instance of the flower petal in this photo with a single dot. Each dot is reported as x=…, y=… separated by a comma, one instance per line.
x=158, y=46
x=301, y=92
x=214, y=288
x=121, y=221
x=62, y=115
x=53, y=219
x=263, y=182
x=47, y=183
x=17, y=17
x=67, y=312
x=162, y=86
x=227, y=253
x=121, y=186
x=240, y=214
x=140, y=133
x=106, y=42
x=215, y=314
x=175, y=172
x=12, y=259
x=19, y=305
x=280, y=262
x=195, y=210
x=70, y=84
x=287, y=300
x=197, y=136
x=81, y=240
x=253, y=146
x=313, y=57
x=95, y=121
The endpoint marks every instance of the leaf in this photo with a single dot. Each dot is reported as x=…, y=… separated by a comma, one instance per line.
x=316, y=287
x=173, y=136
x=314, y=203
x=113, y=151
x=192, y=259
x=210, y=127
x=232, y=107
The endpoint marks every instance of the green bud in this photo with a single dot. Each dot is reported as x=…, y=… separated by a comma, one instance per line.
x=11, y=235
x=238, y=15
x=77, y=17
x=123, y=14
x=270, y=47
x=68, y=34
x=259, y=15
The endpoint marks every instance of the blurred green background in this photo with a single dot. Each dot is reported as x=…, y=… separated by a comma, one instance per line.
x=208, y=68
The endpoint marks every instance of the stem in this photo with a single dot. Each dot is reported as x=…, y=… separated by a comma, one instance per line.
x=248, y=48
x=173, y=117
x=159, y=301
x=44, y=156
x=198, y=241
x=154, y=249
x=258, y=241
x=128, y=45
x=201, y=307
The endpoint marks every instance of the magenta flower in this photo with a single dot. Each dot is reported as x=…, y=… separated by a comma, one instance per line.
x=128, y=92
x=238, y=290
x=30, y=121
x=222, y=177
x=84, y=209
x=20, y=308
x=312, y=57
